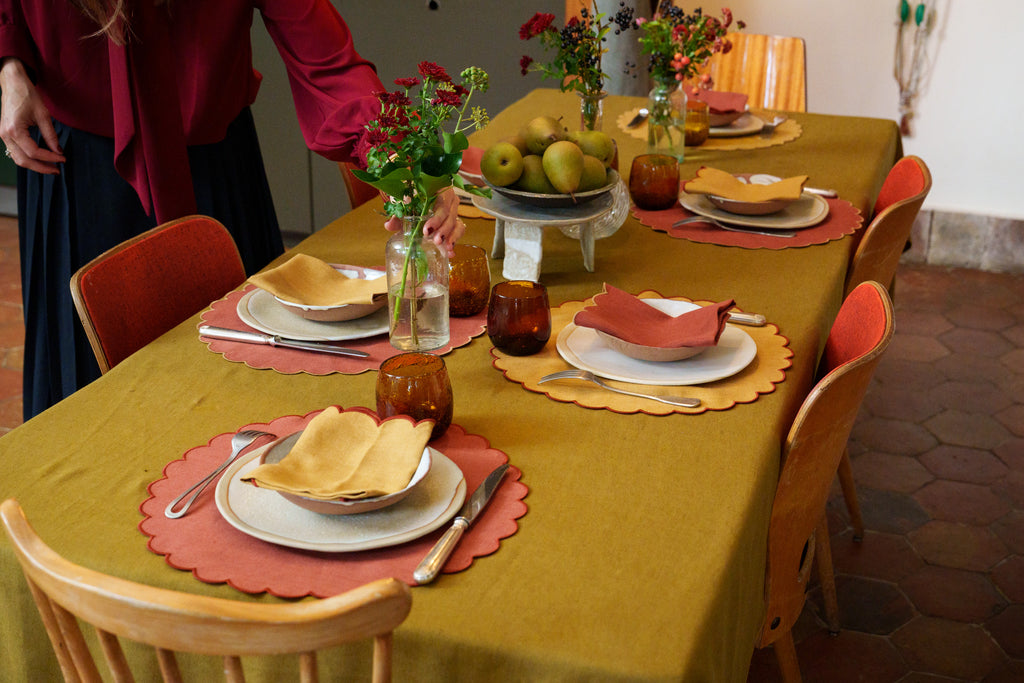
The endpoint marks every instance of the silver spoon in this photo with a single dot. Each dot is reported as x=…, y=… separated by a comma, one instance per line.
x=640, y=117
x=734, y=228
x=591, y=377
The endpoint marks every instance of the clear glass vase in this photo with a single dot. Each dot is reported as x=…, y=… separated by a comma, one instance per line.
x=417, y=272
x=591, y=109
x=666, y=122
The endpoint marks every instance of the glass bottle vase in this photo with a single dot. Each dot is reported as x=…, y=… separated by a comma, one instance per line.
x=417, y=273
x=591, y=109
x=666, y=121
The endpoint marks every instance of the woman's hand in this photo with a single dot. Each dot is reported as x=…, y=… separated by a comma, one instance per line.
x=444, y=227
x=20, y=109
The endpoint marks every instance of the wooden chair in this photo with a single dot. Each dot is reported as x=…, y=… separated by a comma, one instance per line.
x=130, y=295
x=771, y=70
x=876, y=258
x=358, y=192
x=170, y=621
x=798, y=528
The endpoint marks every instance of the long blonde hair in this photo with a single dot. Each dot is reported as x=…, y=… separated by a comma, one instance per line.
x=110, y=15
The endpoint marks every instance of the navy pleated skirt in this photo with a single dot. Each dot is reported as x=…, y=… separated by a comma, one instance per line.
x=66, y=220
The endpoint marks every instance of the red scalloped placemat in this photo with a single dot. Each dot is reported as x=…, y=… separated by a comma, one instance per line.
x=224, y=313
x=843, y=219
x=215, y=552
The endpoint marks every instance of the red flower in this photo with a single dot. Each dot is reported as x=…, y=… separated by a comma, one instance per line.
x=433, y=71
x=409, y=82
x=524, y=64
x=394, y=99
x=536, y=25
x=449, y=98
x=727, y=14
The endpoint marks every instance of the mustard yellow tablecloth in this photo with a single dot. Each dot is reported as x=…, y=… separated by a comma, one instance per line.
x=642, y=554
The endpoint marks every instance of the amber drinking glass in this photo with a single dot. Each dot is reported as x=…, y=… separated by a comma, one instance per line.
x=469, y=280
x=654, y=181
x=698, y=123
x=416, y=384
x=518, y=317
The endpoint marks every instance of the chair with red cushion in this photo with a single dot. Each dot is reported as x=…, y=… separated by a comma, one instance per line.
x=131, y=294
x=798, y=528
x=358, y=192
x=876, y=258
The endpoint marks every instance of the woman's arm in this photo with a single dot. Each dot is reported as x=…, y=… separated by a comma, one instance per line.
x=20, y=109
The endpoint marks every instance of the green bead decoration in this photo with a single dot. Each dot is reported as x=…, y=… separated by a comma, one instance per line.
x=904, y=11
x=919, y=13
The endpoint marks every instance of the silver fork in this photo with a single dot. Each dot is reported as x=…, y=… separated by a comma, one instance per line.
x=591, y=377
x=239, y=442
x=734, y=228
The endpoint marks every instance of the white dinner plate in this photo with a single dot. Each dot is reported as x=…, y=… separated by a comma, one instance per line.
x=805, y=212
x=260, y=310
x=582, y=348
x=263, y=514
x=748, y=124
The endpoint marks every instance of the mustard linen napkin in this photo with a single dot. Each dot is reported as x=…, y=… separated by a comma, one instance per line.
x=721, y=184
x=348, y=455
x=307, y=280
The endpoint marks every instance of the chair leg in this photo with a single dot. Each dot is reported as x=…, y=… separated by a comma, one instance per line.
x=850, y=496
x=785, y=655
x=823, y=556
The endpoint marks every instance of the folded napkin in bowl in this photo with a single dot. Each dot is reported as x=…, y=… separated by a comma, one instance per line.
x=348, y=455
x=627, y=317
x=721, y=102
x=308, y=281
x=721, y=184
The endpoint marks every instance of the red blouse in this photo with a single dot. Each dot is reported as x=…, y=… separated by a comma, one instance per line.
x=184, y=75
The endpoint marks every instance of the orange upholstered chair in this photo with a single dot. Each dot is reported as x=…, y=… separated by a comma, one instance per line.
x=770, y=70
x=798, y=529
x=171, y=622
x=358, y=192
x=876, y=258
x=130, y=295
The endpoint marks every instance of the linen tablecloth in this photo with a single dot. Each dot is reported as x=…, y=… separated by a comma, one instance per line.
x=642, y=555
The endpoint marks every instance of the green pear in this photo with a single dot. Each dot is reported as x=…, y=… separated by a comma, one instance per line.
x=533, y=178
x=563, y=165
x=595, y=175
x=519, y=140
x=596, y=143
x=502, y=164
x=541, y=132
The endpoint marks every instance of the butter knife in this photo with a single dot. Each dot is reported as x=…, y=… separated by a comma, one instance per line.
x=427, y=570
x=275, y=340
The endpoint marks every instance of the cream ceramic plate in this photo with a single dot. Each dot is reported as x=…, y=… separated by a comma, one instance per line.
x=582, y=348
x=277, y=451
x=748, y=124
x=343, y=311
x=263, y=514
x=260, y=310
x=805, y=212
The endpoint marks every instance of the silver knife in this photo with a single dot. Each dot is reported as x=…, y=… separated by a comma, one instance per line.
x=753, y=319
x=427, y=570
x=275, y=340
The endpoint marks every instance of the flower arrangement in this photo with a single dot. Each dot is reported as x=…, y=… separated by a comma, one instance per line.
x=578, y=47
x=678, y=44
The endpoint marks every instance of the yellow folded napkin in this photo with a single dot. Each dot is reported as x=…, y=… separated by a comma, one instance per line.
x=726, y=185
x=307, y=280
x=348, y=455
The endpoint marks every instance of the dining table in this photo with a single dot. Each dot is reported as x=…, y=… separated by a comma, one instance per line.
x=632, y=543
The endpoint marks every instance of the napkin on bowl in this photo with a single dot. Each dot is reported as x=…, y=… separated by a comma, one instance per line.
x=721, y=102
x=627, y=317
x=348, y=455
x=721, y=184
x=309, y=281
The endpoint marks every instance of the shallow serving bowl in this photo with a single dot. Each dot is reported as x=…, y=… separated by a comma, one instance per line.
x=344, y=506
x=749, y=208
x=723, y=119
x=652, y=353
x=342, y=312
x=558, y=201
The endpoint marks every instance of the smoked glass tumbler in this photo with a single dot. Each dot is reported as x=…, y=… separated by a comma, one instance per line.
x=518, y=317
x=416, y=384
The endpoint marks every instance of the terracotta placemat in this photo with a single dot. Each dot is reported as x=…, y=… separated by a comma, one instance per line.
x=843, y=219
x=215, y=552
x=760, y=377
x=224, y=313
x=787, y=131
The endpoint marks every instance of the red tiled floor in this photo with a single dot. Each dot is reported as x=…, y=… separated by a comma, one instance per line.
x=935, y=592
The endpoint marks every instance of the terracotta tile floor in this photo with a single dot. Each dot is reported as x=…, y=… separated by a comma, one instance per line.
x=935, y=592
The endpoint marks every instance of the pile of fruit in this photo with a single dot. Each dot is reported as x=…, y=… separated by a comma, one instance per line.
x=545, y=158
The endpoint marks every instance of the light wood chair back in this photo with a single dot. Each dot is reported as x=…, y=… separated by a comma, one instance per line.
x=770, y=70
x=798, y=530
x=173, y=622
x=358, y=192
x=131, y=294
